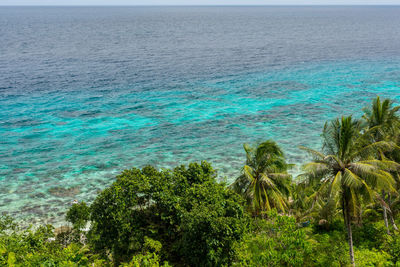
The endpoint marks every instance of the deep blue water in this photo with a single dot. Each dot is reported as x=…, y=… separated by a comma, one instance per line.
x=86, y=92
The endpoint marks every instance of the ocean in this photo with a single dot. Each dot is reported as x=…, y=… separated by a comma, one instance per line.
x=86, y=92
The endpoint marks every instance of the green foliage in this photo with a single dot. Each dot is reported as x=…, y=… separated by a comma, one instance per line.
x=212, y=223
x=392, y=246
x=383, y=124
x=381, y=118
x=365, y=257
x=145, y=260
x=7, y=224
x=196, y=219
x=370, y=235
x=274, y=242
x=346, y=171
x=19, y=247
x=328, y=249
x=78, y=215
x=152, y=245
x=264, y=181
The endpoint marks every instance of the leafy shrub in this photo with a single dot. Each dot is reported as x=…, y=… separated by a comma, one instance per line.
x=392, y=247
x=328, y=249
x=28, y=247
x=273, y=242
x=370, y=235
x=365, y=257
x=145, y=260
x=195, y=218
x=78, y=215
x=212, y=221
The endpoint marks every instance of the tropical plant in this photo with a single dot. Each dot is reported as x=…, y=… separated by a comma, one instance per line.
x=328, y=249
x=372, y=258
x=78, y=215
x=393, y=248
x=383, y=123
x=346, y=170
x=264, y=181
x=194, y=218
x=381, y=118
x=276, y=241
x=38, y=247
x=145, y=260
x=299, y=206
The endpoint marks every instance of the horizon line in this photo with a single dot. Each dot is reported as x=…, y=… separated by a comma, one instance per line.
x=199, y=5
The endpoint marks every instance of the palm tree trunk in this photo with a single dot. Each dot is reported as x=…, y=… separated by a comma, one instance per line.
x=385, y=219
x=393, y=222
x=391, y=214
x=347, y=220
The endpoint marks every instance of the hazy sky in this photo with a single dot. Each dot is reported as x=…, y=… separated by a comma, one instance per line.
x=199, y=2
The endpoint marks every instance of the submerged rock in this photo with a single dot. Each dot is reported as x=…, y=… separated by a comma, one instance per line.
x=37, y=195
x=64, y=192
x=34, y=210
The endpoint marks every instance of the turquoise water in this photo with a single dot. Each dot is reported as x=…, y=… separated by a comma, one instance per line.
x=70, y=120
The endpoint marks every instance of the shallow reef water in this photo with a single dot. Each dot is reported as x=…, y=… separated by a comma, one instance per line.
x=79, y=102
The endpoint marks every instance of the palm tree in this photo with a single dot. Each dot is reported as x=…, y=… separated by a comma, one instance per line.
x=264, y=181
x=299, y=206
x=381, y=118
x=346, y=171
x=383, y=123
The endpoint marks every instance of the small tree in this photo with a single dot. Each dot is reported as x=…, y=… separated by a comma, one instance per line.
x=195, y=218
x=78, y=215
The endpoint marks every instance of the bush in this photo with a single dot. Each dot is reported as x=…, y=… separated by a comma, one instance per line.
x=212, y=221
x=365, y=257
x=19, y=247
x=145, y=260
x=329, y=249
x=392, y=247
x=195, y=218
x=78, y=215
x=370, y=235
x=273, y=242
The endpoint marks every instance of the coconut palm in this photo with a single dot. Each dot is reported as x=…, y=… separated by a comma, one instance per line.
x=346, y=171
x=382, y=123
x=264, y=181
x=299, y=206
x=381, y=118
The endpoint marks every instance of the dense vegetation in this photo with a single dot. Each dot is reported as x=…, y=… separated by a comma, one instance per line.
x=341, y=211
